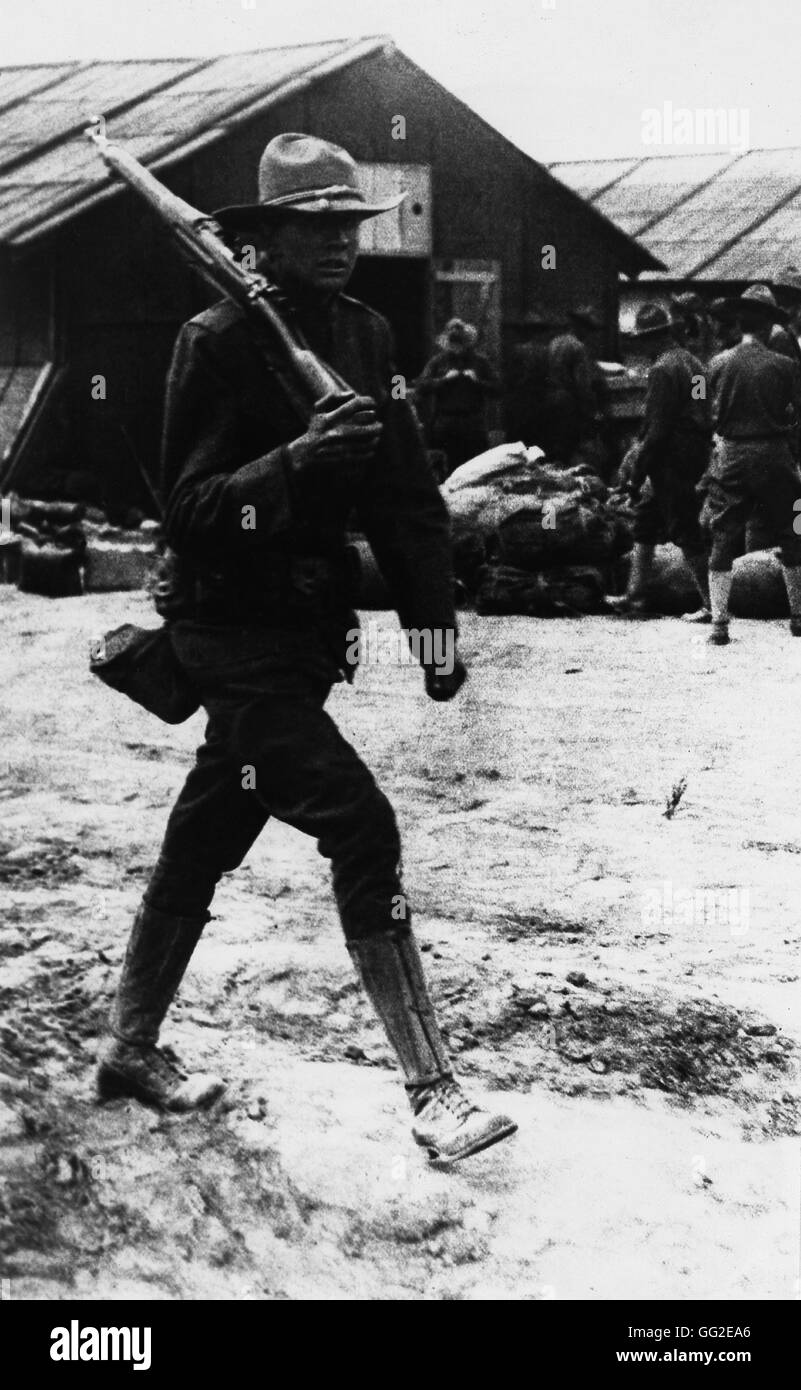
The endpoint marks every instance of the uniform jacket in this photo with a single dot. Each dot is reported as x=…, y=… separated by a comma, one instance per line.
x=756, y=392
x=457, y=399
x=675, y=408
x=224, y=461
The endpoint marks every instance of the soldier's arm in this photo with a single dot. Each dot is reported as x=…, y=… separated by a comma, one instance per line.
x=207, y=478
x=660, y=414
x=404, y=517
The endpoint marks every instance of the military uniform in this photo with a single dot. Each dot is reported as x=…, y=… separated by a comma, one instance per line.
x=757, y=403
x=669, y=459
x=571, y=401
x=454, y=391
x=257, y=498
x=267, y=611
x=674, y=452
x=754, y=470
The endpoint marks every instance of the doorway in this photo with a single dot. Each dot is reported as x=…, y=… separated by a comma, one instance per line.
x=399, y=288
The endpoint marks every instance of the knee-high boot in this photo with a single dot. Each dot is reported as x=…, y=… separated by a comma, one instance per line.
x=159, y=950
x=446, y=1123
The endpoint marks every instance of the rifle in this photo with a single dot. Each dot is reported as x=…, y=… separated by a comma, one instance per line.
x=136, y=661
x=201, y=242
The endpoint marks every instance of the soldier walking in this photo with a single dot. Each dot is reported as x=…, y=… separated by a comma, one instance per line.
x=669, y=460
x=756, y=401
x=263, y=632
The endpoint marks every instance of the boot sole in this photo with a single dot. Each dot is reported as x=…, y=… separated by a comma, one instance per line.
x=477, y=1146
x=112, y=1085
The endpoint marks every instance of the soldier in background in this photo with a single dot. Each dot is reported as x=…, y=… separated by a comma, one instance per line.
x=756, y=400
x=784, y=336
x=669, y=460
x=571, y=407
x=526, y=381
x=453, y=390
x=696, y=329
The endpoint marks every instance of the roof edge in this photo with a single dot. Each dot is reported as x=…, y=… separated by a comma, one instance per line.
x=358, y=49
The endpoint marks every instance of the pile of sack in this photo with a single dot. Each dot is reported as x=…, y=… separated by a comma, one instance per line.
x=757, y=591
x=532, y=537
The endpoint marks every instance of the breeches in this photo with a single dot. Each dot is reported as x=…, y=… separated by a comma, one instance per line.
x=669, y=507
x=272, y=750
x=745, y=477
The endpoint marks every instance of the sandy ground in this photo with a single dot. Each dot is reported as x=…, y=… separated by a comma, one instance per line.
x=624, y=983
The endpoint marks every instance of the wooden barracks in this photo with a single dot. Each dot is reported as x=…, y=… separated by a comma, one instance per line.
x=90, y=285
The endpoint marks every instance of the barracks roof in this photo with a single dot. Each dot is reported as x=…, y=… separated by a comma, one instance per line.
x=163, y=110
x=720, y=216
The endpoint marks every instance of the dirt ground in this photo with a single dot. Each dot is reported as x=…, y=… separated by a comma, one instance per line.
x=624, y=982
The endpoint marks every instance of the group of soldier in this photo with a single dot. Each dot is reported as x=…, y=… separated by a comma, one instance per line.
x=552, y=395
x=719, y=443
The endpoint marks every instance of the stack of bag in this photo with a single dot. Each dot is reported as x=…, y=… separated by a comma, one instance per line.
x=531, y=537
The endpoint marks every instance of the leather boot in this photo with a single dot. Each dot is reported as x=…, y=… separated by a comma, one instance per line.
x=635, y=603
x=446, y=1123
x=792, y=582
x=159, y=950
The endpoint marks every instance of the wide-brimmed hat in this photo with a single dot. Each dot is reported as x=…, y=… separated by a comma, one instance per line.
x=757, y=303
x=653, y=321
x=301, y=173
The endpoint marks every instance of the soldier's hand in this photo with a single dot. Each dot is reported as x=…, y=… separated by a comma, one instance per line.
x=440, y=686
x=338, y=432
x=629, y=479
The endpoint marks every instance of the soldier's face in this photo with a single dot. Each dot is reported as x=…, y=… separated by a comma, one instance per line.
x=315, y=251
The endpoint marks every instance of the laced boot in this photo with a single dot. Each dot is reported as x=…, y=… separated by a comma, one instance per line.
x=446, y=1123
x=131, y=1064
x=450, y=1126
x=148, y=1074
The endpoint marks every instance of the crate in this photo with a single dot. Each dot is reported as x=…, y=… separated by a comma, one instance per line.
x=117, y=564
